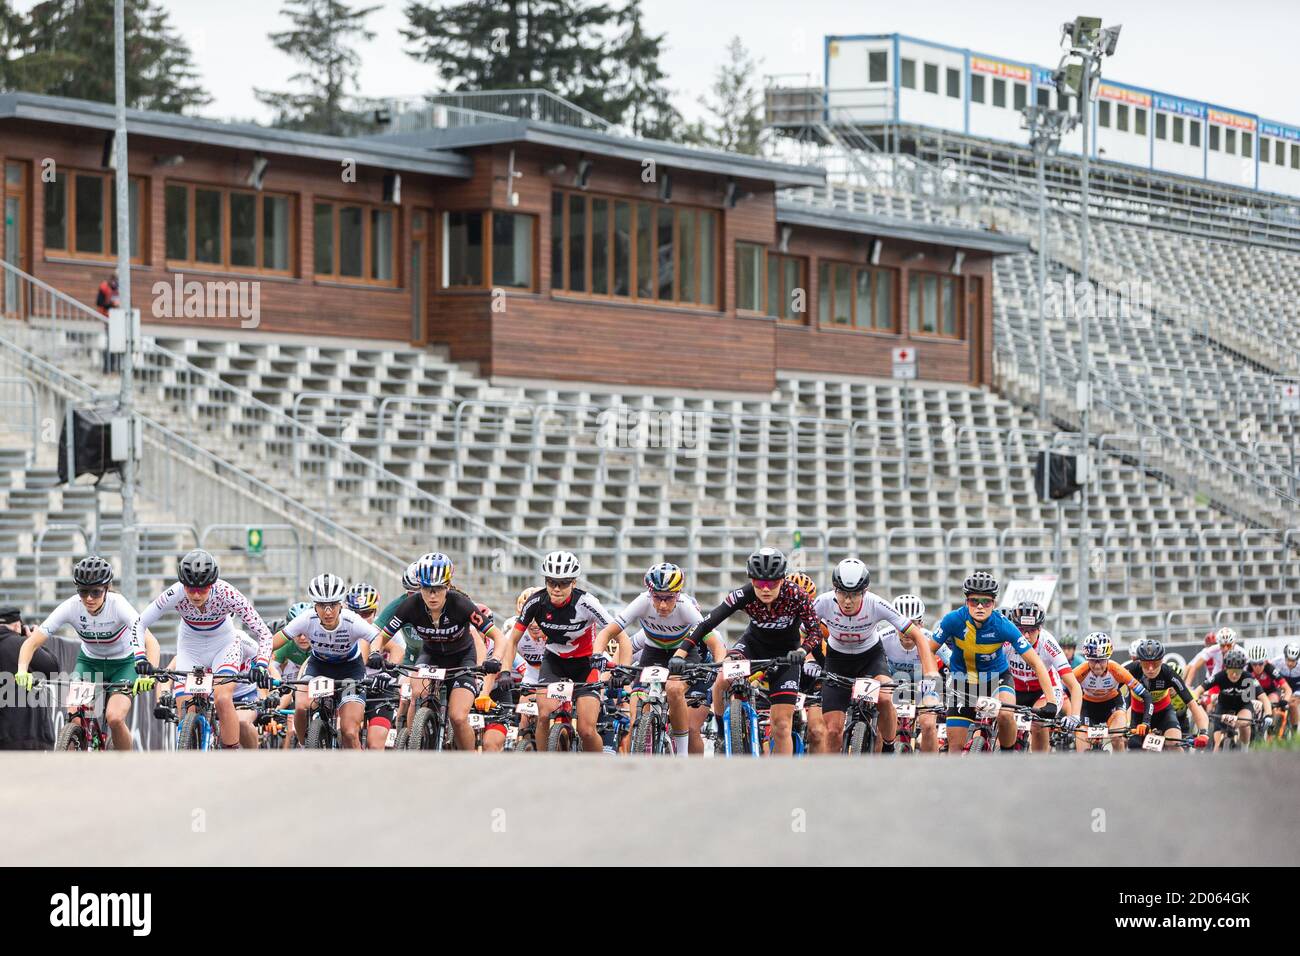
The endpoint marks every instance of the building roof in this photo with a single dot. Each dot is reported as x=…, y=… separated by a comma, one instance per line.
x=88, y=114
x=794, y=213
x=598, y=143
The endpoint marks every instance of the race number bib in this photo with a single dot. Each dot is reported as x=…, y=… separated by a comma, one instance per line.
x=1154, y=742
x=734, y=669
x=425, y=672
x=200, y=688
x=864, y=688
x=654, y=675
x=476, y=721
x=391, y=740
x=986, y=708
x=526, y=707
x=560, y=690
x=906, y=711
x=1097, y=731
x=81, y=694
x=320, y=687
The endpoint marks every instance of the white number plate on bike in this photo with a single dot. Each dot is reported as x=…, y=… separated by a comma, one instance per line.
x=800, y=701
x=864, y=688
x=943, y=730
x=1097, y=731
x=654, y=675
x=733, y=669
x=406, y=692
x=81, y=693
x=906, y=711
x=986, y=708
x=426, y=672
x=526, y=707
x=512, y=733
x=1023, y=722
x=560, y=690
x=200, y=688
x=476, y=721
x=1153, y=742
x=391, y=740
x=320, y=687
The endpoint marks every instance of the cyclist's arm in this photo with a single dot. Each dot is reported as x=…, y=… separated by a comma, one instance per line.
x=35, y=638
x=716, y=647
x=929, y=666
x=610, y=630
x=706, y=626
x=277, y=645
x=1199, y=715
x=152, y=650
x=1030, y=657
x=1076, y=691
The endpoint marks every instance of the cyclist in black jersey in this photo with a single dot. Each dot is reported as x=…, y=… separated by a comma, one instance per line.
x=777, y=609
x=444, y=620
x=1241, y=700
x=1155, y=713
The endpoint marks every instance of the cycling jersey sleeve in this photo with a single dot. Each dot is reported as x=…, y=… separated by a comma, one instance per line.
x=253, y=621
x=400, y=616
x=1125, y=678
x=810, y=620
x=156, y=609
x=732, y=603
x=1178, y=687
x=639, y=608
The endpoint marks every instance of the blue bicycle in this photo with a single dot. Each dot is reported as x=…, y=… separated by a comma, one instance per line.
x=743, y=720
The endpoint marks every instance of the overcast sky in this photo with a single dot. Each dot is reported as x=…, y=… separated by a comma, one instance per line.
x=1238, y=54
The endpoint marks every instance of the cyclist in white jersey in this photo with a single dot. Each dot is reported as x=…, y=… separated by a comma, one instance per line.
x=528, y=645
x=901, y=651
x=849, y=616
x=340, y=645
x=664, y=614
x=110, y=645
x=206, y=638
x=246, y=692
x=1211, y=658
x=1029, y=617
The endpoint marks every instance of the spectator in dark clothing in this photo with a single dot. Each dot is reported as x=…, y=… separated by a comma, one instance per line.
x=22, y=725
x=107, y=297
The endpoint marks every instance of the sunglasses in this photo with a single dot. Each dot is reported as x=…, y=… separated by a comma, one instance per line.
x=331, y=606
x=980, y=602
x=92, y=592
x=662, y=596
x=767, y=585
x=203, y=590
x=560, y=583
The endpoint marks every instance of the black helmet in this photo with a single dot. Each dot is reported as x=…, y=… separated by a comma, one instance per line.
x=1028, y=614
x=981, y=582
x=1149, y=649
x=92, y=571
x=198, y=569
x=766, y=564
x=851, y=576
x=1234, y=660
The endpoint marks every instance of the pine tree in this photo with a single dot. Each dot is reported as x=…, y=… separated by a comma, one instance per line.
x=735, y=120
x=638, y=92
x=479, y=45
x=322, y=38
x=65, y=48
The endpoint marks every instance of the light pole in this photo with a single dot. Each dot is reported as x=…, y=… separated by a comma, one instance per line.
x=1046, y=127
x=1084, y=38
x=130, y=585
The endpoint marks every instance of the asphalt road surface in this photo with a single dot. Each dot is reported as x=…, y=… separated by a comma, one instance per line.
x=340, y=808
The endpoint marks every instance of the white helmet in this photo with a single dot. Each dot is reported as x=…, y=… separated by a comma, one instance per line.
x=909, y=606
x=561, y=564
x=1225, y=636
x=1257, y=654
x=327, y=589
x=851, y=576
x=1291, y=652
x=411, y=579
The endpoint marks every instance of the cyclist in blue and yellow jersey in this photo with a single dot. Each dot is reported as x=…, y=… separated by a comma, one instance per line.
x=978, y=666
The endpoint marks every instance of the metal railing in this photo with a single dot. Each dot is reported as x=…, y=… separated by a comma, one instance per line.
x=20, y=413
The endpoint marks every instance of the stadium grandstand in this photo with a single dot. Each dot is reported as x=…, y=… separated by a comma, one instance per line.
x=520, y=329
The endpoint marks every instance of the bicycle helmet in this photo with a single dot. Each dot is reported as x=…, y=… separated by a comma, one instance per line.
x=1225, y=637
x=1028, y=614
x=276, y=626
x=851, y=576
x=562, y=565
x=1291, y=652
x=1097, y=646
x=198, y=569
x=411, y=577
x=1175, y=667
x=803, y=583
x=327, y=589
x=302, y=607
x=909, y=606
x=1150, y=649
x=1256, y=654
x=766, y=564
x=363, y=597
x=92, y=571
x=665, y=578
x=981, y=582
x=435, y=571
x=1234, y=660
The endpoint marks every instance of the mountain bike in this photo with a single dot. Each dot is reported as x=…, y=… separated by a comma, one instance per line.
x=85, y=730
x=431, y=726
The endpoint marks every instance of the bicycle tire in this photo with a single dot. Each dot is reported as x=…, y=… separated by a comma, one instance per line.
x=645, y=737
x=562, y=739
x=189, y=736
x=72, y=737
x=426, y=732
x=403, y=739
x=738, y=730
x=320, y=735
x=860, y=738
x=977, y=744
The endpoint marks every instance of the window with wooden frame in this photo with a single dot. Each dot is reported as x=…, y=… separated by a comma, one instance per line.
x=81, y=214
x=355, y=242
x=751, y=266
x=234, y=230
x=490, y=249
x=934, y=304
x=856, y=297
x=641, y=251
x=787, y=288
